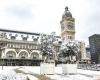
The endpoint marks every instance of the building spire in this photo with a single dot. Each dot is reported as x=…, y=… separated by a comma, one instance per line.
x=66, y=8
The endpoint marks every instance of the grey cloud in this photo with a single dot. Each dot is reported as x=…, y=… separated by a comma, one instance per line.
x=20, y=11
x=91, y=22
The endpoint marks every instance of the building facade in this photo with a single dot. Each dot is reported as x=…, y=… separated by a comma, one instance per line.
x=20, y=48
x=84, y=53
x=94, y=42
x=88, y=53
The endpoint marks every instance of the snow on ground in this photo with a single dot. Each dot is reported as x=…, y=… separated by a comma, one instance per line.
x=11, y=75
x=88, y=72
x=8, y=73
x=34, y=69
x=29, y=70
x=32, y=77
x=69, y=77
x=81, y=74
x=94, y=74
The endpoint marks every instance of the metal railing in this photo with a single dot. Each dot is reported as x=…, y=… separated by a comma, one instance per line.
x=95, y=67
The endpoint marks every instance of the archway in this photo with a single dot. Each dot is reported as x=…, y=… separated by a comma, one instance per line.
x=23, y=55
x=34, y=55
x=11, y=55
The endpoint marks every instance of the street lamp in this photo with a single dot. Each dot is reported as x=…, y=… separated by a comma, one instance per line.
x=2, y=62
x=1, y=48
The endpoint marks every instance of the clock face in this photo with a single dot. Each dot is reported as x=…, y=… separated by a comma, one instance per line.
x=70, y=26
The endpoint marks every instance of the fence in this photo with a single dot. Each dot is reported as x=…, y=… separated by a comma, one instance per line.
x=95, y=67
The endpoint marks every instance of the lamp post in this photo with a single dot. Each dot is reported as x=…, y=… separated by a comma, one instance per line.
x=2, y=46
x=1, y=54
x=2, y=63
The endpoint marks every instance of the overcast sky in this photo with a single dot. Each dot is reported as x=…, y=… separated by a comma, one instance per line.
x=44, y=16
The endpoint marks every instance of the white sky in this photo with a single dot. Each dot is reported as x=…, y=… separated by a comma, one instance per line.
x=44, y=16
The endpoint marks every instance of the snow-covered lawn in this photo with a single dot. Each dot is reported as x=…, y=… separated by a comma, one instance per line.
x=33, y=72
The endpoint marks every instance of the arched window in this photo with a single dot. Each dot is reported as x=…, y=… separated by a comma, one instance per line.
x=34, y=55
x=11, y=54
x=23, y=55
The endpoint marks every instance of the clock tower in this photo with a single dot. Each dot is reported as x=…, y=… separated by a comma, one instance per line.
x=67, y=26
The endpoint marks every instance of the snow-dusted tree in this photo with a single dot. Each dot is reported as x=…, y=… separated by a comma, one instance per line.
x=70, y=51
x=46, y=46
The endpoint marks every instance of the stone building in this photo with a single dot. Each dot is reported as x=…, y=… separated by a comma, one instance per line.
x=84, y=53
x=19, y=48
x=88, y=53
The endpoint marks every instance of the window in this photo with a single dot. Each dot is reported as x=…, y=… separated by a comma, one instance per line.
x=10, y=55
x=30, y=46
x=34, y=47
x=35, y=40
x=18, y=45
x=22, y=57
x=11, y=45
x=70, y=37
x=62, y=28
x=25, y=46
x=8, y=45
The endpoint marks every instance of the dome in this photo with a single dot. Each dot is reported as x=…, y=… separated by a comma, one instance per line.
x=67, y=13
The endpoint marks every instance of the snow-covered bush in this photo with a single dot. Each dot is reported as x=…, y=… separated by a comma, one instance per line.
x=69, y=51
x=47, y=47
